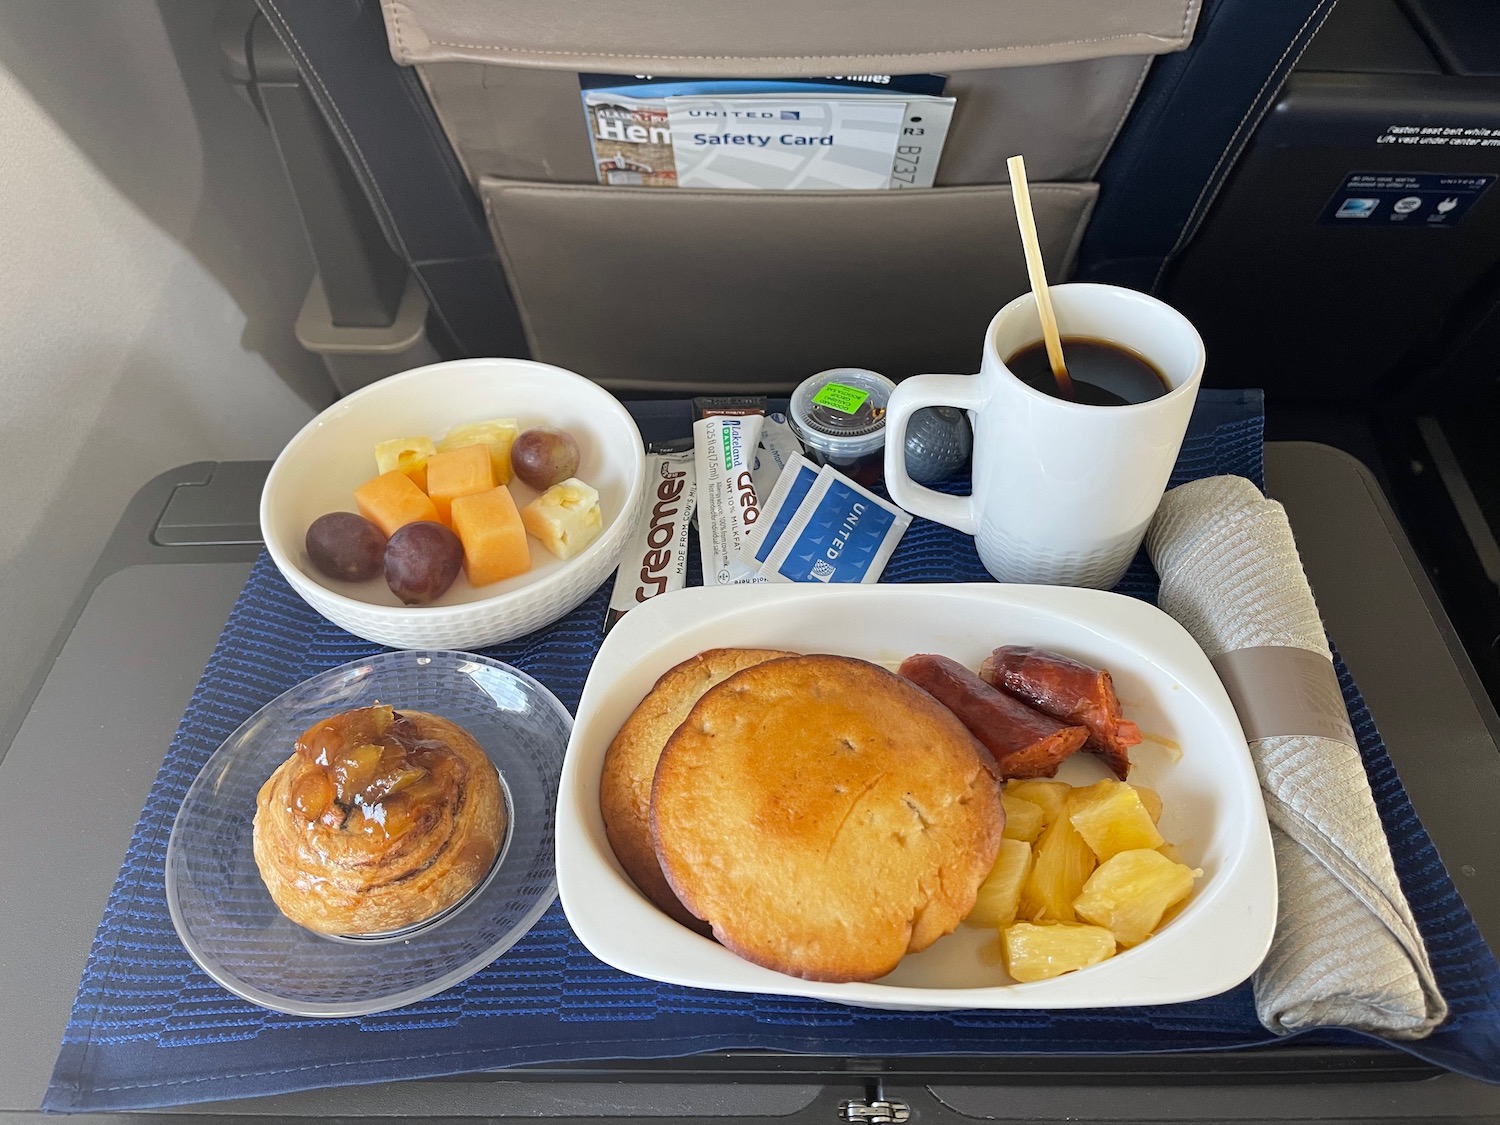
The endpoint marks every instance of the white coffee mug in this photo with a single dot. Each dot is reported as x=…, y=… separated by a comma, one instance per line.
x=1062, y=491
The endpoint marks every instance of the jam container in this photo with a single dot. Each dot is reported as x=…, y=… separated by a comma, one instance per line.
x=839, y=416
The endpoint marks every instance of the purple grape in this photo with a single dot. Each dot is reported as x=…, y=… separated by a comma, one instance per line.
x=345, y=546
x=421, y=561
x=544, y=456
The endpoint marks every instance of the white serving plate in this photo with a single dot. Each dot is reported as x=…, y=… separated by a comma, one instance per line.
x=1194, y=755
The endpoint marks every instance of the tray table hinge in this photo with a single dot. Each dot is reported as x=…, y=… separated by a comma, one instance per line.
x=875, y=1111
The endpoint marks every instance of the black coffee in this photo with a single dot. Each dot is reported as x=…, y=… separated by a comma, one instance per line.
x=1102, y=373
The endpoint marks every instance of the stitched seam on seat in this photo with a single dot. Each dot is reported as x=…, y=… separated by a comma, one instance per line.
x=309, y=69
x=497, y=234
x=1213, y=185
x=496, y=49
x=774, y=198
x=433, y=305
x=394, y=17
x=1114, y=133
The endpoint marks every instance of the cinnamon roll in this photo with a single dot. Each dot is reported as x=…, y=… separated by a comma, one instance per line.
x=379, y=820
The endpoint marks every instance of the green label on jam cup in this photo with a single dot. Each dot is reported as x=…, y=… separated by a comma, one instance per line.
x=846, y=400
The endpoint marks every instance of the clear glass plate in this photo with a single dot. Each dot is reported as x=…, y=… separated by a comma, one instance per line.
x=227, y=920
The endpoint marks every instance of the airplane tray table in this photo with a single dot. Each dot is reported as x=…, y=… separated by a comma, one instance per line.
x=154, y=608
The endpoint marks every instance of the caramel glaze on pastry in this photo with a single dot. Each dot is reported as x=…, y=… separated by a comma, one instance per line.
x=379, y=819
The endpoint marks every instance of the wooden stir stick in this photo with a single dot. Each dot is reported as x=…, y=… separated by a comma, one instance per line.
x=1038, y=274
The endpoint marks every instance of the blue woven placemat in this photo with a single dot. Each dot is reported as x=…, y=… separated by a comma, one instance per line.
x=150, y=1029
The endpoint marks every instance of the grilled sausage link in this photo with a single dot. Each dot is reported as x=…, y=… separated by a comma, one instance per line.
x=1024, y=742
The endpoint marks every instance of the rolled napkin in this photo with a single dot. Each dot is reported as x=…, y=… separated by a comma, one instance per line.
x=1346, y=950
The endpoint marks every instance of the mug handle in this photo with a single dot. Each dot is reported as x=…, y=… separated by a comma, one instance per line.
x=913, y=394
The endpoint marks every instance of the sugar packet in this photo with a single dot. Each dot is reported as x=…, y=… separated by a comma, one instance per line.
x=777, y=446
x=778, y=507
x=724, y=449
x=655, y=560
x=840, y=532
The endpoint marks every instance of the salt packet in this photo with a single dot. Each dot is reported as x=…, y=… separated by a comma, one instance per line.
x=655, y=560
x=778, y=507
x=724, y=449
x=840, y=532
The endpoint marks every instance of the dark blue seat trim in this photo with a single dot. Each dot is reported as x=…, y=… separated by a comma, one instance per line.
x=383, y=121
x=1194, y=115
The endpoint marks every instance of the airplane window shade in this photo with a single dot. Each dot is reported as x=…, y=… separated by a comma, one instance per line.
x=647, y=289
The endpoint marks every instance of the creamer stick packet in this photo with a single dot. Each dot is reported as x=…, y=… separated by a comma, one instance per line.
x=706, y=405
x=777, y=446
x=655, y=560
x=724, y=450
x=778, y=508
x=840, y=532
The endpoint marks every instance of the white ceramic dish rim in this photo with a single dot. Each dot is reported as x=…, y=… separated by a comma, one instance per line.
x=1215, y=943
x=293, y=571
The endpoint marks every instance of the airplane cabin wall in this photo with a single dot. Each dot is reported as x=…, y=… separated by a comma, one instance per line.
x=151, y=269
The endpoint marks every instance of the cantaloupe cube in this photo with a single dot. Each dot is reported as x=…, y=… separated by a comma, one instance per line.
x=458, y=472
x=497, y=434
x=391, y=500
x=489, y=526
x=409, y=454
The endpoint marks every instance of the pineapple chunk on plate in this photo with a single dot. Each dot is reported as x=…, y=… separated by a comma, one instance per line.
x=1151, y=799
x=1000, y=893
x=1050, y=796
x=565, y=518
x=1112, y=818
x=1130, y=892
x=1064, y=861
x=1169, y=850
x=1024, y=820
x=408, y=454
x=1043, y=952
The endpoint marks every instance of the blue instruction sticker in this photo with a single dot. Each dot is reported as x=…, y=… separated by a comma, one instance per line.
x=1421, y=199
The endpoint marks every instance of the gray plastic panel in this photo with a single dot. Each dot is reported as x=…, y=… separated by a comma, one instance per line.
x=1381, y=612
x=75, y=779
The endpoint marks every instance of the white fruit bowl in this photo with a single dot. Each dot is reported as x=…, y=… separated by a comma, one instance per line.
x=333, y=454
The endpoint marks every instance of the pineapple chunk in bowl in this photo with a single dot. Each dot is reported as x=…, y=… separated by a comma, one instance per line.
x=336, y=452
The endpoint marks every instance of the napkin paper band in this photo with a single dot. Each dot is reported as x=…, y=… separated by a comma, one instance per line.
x=1280, y=690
